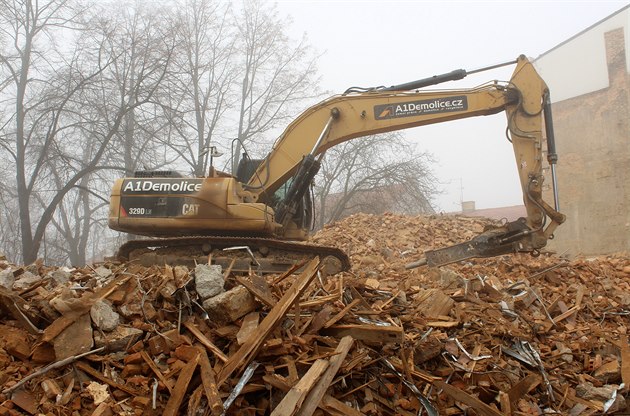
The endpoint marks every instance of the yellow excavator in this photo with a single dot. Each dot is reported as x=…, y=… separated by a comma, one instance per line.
x=260, y=216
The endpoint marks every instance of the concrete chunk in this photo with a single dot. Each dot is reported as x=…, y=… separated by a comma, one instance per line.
x=588, y=391
x=65, y=301
x=610, y=372
x=209, y=280
x=7, y=278
x=119, y=339
x=103, y=272
x=75, y=339
x=129, y=310
x=60, y=276
x=104, y=316
x=26, y=280
x=230, y=306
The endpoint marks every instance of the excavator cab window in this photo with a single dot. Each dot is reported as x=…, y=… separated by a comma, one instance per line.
x=246, y=168
x=304, y=214
x=281, y=193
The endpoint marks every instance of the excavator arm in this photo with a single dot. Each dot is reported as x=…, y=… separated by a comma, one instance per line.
x=524, y=99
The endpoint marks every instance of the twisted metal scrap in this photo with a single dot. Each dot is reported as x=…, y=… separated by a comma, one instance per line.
x=524, y=352
x=247, y=374
x=423, y=400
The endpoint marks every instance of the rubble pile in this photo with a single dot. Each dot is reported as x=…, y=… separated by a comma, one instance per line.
x=511, y=335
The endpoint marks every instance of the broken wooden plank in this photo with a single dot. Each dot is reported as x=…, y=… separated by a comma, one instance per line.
x=567, y=314
x=103, y=409
x=205, y=341
x=293, y=376
x=433, y=302
x=625, y=362
x=322, y=300
x=471, y=365
x=209, y=382
x=227, y=272
x=370, y=333
x=250, y=348
x=333, y=406
x=342, y=313
x=249, y=325
x=97, y=375
x=179, y=391
x=390, y=300
x=297, y=315
x=356, y=295
x=277, y=382
x=11, y=303
x=524, y=386
x=328, y=403
x=294, y=397
x=443, y=324
x=25, y=400
x=506, y=406
x=194, y=401
x=415, y=372
x=461, y=396
x=316, y=394
x=259, y=288
x=156, y=370
x=292, y=269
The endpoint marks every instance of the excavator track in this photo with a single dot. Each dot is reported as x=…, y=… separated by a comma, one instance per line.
x=242, y=254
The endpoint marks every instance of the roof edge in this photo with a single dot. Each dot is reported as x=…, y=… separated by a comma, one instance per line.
x=582, y=32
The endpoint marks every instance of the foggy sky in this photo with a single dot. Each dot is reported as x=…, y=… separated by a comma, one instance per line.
x=370, y=43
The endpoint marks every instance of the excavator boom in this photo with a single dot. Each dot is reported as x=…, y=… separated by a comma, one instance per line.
x=524, y=99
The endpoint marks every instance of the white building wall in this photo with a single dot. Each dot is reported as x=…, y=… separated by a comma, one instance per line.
x=589, y=81
x=578, y=66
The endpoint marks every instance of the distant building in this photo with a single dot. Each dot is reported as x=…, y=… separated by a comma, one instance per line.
x=395, y=198
x=509, y=213
x=590, y=85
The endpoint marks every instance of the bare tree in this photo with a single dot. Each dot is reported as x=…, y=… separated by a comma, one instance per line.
x=130, y=89
x=373, y=174
x=141, y=45
x=9, y=221
x=34, y=124
x=60, y=99
x=75, y=220
x=277, y=75
x=202, y=86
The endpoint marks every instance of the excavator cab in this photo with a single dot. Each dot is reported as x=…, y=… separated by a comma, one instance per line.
x=304, y=213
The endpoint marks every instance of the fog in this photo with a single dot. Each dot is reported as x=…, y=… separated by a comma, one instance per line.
x=366, y=43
